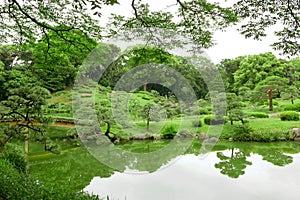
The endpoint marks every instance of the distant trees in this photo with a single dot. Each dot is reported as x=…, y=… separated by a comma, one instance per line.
x=256, y=68
x=150, y=55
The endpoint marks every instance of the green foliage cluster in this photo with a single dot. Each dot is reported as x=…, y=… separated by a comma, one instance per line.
x=258, y=114
x=207, y=119
x=245, y=132
x=293, y=107
x=169, y=131
x=16, y=185
x=289, y=116
x=16, y=156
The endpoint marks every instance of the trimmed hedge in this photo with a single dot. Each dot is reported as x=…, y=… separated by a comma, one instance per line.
x=289, y=116
x=258, y=114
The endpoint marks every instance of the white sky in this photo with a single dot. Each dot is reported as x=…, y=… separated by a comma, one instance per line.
x=230, y=44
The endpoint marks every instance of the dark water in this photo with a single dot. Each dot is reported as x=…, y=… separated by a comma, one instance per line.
x=229, y=171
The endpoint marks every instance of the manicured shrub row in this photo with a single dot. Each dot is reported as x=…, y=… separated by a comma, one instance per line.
x=244, y=133
x=289, y=116
x=258, y=114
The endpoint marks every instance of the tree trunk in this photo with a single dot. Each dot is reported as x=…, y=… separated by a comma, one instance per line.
x=145, y=86
x=270, y=100
x=4, y=141
x=148, y=123
x=107, y=129
x=292, y=99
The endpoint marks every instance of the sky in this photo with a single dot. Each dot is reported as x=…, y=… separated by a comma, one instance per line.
x=230, y=43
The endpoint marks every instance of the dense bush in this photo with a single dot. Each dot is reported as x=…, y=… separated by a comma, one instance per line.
x=293, y=107
x=259, y=114
x=242, y=133
x=16, y=185
x=169, y=131
x=16, y=156
x=207, y=119
x=289, y=116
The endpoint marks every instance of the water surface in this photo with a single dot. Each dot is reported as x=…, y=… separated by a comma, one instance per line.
x=230, y=171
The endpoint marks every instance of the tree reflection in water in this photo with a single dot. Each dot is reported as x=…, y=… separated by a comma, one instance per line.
x=234, y=165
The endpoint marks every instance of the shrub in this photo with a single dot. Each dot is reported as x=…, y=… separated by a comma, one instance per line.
x=197, y=123
x=289, y=116
x=16, y=156
x=203, y=111
x=259, y=114
x=207, y=119
x=169, y=131
x=210, y=120
x=242, y=133
x=293, y=107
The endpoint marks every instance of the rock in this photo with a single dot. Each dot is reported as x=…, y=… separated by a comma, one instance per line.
x=212, y=140
x=157, y=136
x=251, y=117
x=140, y=136
x=230, y=139
x=184, y=134
x=202, y=136
x=296, y=134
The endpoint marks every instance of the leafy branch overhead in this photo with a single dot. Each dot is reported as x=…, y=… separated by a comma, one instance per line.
x=26, y=21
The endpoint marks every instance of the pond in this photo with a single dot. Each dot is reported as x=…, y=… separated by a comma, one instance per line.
x=229, y=171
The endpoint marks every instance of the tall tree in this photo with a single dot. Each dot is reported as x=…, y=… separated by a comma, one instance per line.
x=56, y=65
x=256, y=68
x=227, y=68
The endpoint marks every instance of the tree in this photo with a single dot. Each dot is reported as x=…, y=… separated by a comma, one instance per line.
x=227, y=69
x=292, y=92
x=57, y=65
x=24, y=21
x=143, y=55
x=234, y=111
x=260, y=15
x=26, y=18
x=23, y=106
x=270, y=86
x=256, y=68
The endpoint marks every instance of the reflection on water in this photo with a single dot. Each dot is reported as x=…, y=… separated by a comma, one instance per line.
x=230, y=171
